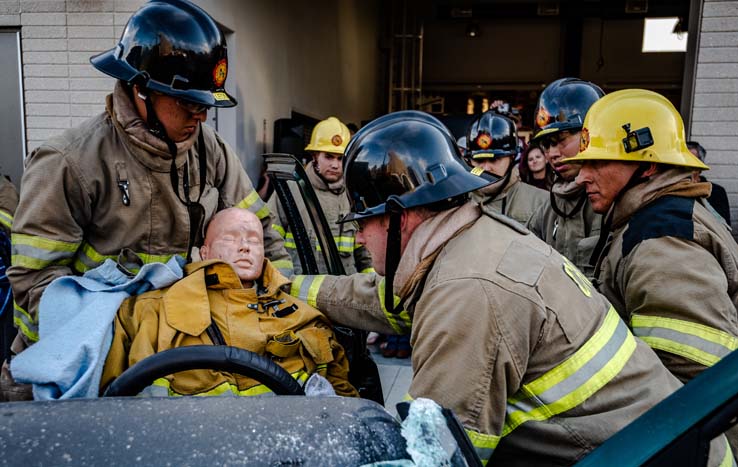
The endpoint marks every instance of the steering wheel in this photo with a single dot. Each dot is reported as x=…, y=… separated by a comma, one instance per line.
x=204, y=357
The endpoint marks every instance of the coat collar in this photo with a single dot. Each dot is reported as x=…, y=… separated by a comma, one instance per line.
x=428, y=239
x=187, y=303
x=674, y=182
x=147, y=148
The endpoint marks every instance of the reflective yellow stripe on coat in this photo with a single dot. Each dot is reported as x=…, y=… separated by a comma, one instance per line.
x=401, y=321
x=254, y=203
x=567, y=385
x=697, y=342
x=32, y=252
x=162, y=388
x=6, y=219
x=306, y=288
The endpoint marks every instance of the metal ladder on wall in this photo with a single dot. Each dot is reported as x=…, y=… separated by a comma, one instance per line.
x=405, y=58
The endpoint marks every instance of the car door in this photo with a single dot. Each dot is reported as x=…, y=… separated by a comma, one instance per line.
x=289, y=180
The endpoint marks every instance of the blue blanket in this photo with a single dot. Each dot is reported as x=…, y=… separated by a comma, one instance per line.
x=76, y=316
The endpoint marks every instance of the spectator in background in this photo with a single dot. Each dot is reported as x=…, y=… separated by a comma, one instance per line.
x=534, y=169
x=718, y=199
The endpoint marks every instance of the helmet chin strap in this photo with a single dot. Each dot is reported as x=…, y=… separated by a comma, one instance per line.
x=392, y=256
x=194, y=209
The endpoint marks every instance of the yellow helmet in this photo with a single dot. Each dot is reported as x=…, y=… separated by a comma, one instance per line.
x=635, y=125
x=329, y=135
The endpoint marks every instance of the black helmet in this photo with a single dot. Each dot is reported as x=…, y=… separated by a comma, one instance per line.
x=492, y=135
x=175, y=48
x=409, y=157
x=563, y=105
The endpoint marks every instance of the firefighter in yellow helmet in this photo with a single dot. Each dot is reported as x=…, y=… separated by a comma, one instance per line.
x=325, y=172
x=670, y=266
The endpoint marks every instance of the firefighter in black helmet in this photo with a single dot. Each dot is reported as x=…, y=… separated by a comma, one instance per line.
x=536, y=364
x=143, y=177
x=567, y=222
x=492, y=146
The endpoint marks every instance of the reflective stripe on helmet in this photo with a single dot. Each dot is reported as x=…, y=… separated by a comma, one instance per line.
x=697, y=342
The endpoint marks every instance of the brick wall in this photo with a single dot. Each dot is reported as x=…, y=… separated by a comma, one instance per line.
x=715, y=108
x=58, y=37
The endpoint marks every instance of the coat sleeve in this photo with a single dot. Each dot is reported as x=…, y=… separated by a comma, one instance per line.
x=236, y=190
x=675, y=294
x=8, y=203
x=48, y=228
x=464, y=357
x=356, y=301
x=536, y=223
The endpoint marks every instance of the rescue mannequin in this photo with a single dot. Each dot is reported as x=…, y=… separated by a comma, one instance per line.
x=240, y=282
x=145, y=175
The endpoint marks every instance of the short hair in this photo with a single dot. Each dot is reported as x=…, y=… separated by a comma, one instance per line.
x=701, y=153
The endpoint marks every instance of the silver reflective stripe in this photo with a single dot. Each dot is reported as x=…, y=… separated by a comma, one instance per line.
x=305, y=288
x=40, y=253
x=579, y=378
x=87, y=262
x=691, y=340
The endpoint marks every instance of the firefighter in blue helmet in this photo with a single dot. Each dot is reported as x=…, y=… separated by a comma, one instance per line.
x=567, y=222
x=492, y=145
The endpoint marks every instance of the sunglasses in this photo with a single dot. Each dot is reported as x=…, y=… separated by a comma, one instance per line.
x=192, y=107
x=554, y=140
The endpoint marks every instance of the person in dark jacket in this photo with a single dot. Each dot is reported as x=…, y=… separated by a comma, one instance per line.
x=718, y=198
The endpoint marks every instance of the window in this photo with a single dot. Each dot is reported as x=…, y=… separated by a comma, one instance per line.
x=664, y=35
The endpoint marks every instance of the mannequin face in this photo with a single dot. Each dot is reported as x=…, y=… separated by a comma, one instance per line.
x=235, y=235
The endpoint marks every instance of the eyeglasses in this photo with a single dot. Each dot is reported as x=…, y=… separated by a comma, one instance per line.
x=358, y=225
x=192, y=107
x=555, y=139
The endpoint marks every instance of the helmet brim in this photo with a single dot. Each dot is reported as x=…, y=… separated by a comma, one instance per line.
x=555, y=128
x=107, y=63
x=678, y=160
